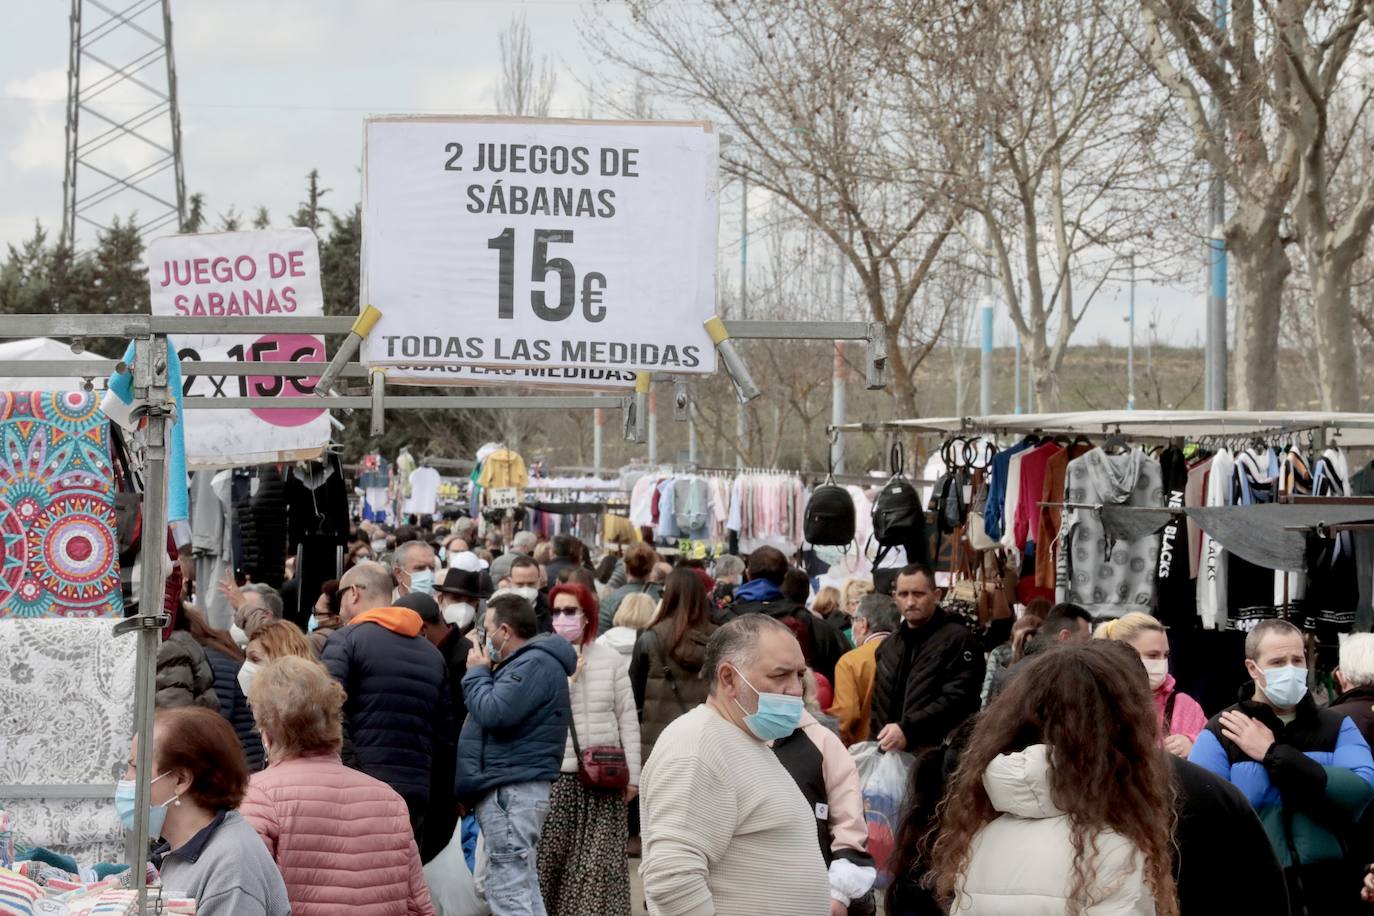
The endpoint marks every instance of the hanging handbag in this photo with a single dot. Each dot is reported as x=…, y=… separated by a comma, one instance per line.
x=601, y=767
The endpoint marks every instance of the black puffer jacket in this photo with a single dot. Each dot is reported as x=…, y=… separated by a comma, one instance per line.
x=184, y=677
x=233, y=705
x=821, y=643
x=399, y=708
x=928, y=680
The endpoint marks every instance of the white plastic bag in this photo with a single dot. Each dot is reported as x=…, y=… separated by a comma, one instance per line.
x=883, y=776
x=450, y=883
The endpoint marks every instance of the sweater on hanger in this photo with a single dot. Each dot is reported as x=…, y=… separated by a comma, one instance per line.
x=1211, y=580
x=1108, y=577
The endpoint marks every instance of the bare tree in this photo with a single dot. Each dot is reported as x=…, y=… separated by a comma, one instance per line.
x=1074, y=176
x=795, y=85
x=526, y=85
x=1273, y=69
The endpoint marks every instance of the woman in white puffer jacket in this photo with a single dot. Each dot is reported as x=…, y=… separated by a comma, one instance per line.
x=1062, y=803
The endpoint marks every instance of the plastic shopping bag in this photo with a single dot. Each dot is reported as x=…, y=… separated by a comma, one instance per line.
x=450, y=883
x=883, y=776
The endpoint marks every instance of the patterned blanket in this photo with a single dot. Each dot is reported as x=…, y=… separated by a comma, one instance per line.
x=58, y=547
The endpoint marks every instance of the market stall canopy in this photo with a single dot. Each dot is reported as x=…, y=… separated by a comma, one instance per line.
x=1352, y=429
x=15, y=352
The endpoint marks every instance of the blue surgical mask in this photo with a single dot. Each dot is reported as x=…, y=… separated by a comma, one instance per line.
x=313, y=625
x=1285, y=687
x=493, y=653
x=422, y=582
x=443, y=554
x=777, y=717
x=124, y=804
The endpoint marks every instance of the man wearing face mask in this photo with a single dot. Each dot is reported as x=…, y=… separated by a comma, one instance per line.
x=725, y=828
x=524, y=578
x=1306, y=770
x=399, y=709
x=511, y=747
x=413, y=566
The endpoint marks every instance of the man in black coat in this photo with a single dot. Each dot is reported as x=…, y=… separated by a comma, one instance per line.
x=442, y=817
x=821, y=643
x=399, y=711
x=929, y=673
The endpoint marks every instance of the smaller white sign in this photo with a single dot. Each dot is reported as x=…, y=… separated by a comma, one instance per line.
x=234, y=276
x=503, y=498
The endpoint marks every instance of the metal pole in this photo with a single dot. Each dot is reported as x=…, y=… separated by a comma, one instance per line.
x=1130, y=341
x=1018, y=369
x=692, y=432
x=985, y=363
x=837, y=409
x=179, y=175
x=1216, y=367
x=741, y=420
x=653, y=426
x=598, y=421
x=150, y=368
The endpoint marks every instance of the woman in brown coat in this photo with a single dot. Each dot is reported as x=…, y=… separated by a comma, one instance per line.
x=665, y=669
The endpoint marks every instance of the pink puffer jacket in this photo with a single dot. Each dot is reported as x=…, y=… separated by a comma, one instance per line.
x=341, y=839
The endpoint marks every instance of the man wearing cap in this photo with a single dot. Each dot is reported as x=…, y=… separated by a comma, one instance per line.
x=441, y=819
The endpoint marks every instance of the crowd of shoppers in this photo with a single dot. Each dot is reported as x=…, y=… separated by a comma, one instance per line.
x=561, y=719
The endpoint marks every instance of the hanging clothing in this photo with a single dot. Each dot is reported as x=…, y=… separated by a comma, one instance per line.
x=1176, y=603
x=503, y=468
x=1024, y=528
x=994, y=520
x=212, y=539
x=424, y=492
x=1211, y=580
x=1195, y=496
x=1108, y=577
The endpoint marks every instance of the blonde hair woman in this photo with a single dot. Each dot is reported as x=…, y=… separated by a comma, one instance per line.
x=855, y=588
x=271, y=641
x=635, y=613
x=1179, y=716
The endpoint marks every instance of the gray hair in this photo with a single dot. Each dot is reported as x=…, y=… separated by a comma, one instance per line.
x=398, y=559
x=728, y=565
x=524, y=541
x=735, y=644
x=881, y=613
x=1357, y=659
x=1263, y=629
x=271, y=598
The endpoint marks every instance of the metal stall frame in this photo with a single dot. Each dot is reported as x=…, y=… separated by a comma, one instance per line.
x=154, y=402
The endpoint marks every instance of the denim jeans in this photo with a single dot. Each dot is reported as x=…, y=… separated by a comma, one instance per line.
x=511, y=818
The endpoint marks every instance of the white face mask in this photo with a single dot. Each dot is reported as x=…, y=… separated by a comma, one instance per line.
x=239, y=637
x=460, y=614
x=247, y=671
x=528, y=592
x=1157, y=669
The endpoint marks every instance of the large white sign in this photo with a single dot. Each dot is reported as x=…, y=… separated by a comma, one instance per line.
x=540, y=243
x=234, y=276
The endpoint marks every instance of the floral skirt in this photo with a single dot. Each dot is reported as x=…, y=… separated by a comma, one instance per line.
x=582, y=867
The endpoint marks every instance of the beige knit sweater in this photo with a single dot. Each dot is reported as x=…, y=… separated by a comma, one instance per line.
x=726, y=830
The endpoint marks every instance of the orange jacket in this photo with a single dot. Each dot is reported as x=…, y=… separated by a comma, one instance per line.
x=854, y=689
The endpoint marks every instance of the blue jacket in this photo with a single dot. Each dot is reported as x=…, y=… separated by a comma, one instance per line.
x=398, y=712
x=1312, y=785
x=233, y=705
x=517, y=723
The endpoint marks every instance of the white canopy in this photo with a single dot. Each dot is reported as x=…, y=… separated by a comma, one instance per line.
x=14, y=352
x=1349, y=429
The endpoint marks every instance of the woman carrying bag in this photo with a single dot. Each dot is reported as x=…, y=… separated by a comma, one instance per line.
x=582, y=866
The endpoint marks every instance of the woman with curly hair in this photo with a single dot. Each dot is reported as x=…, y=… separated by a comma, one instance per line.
x=1061, y=804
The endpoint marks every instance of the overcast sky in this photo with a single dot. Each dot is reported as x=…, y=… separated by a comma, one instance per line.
x=270, y=89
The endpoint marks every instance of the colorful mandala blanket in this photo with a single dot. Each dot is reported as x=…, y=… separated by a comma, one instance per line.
x=58, y=548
